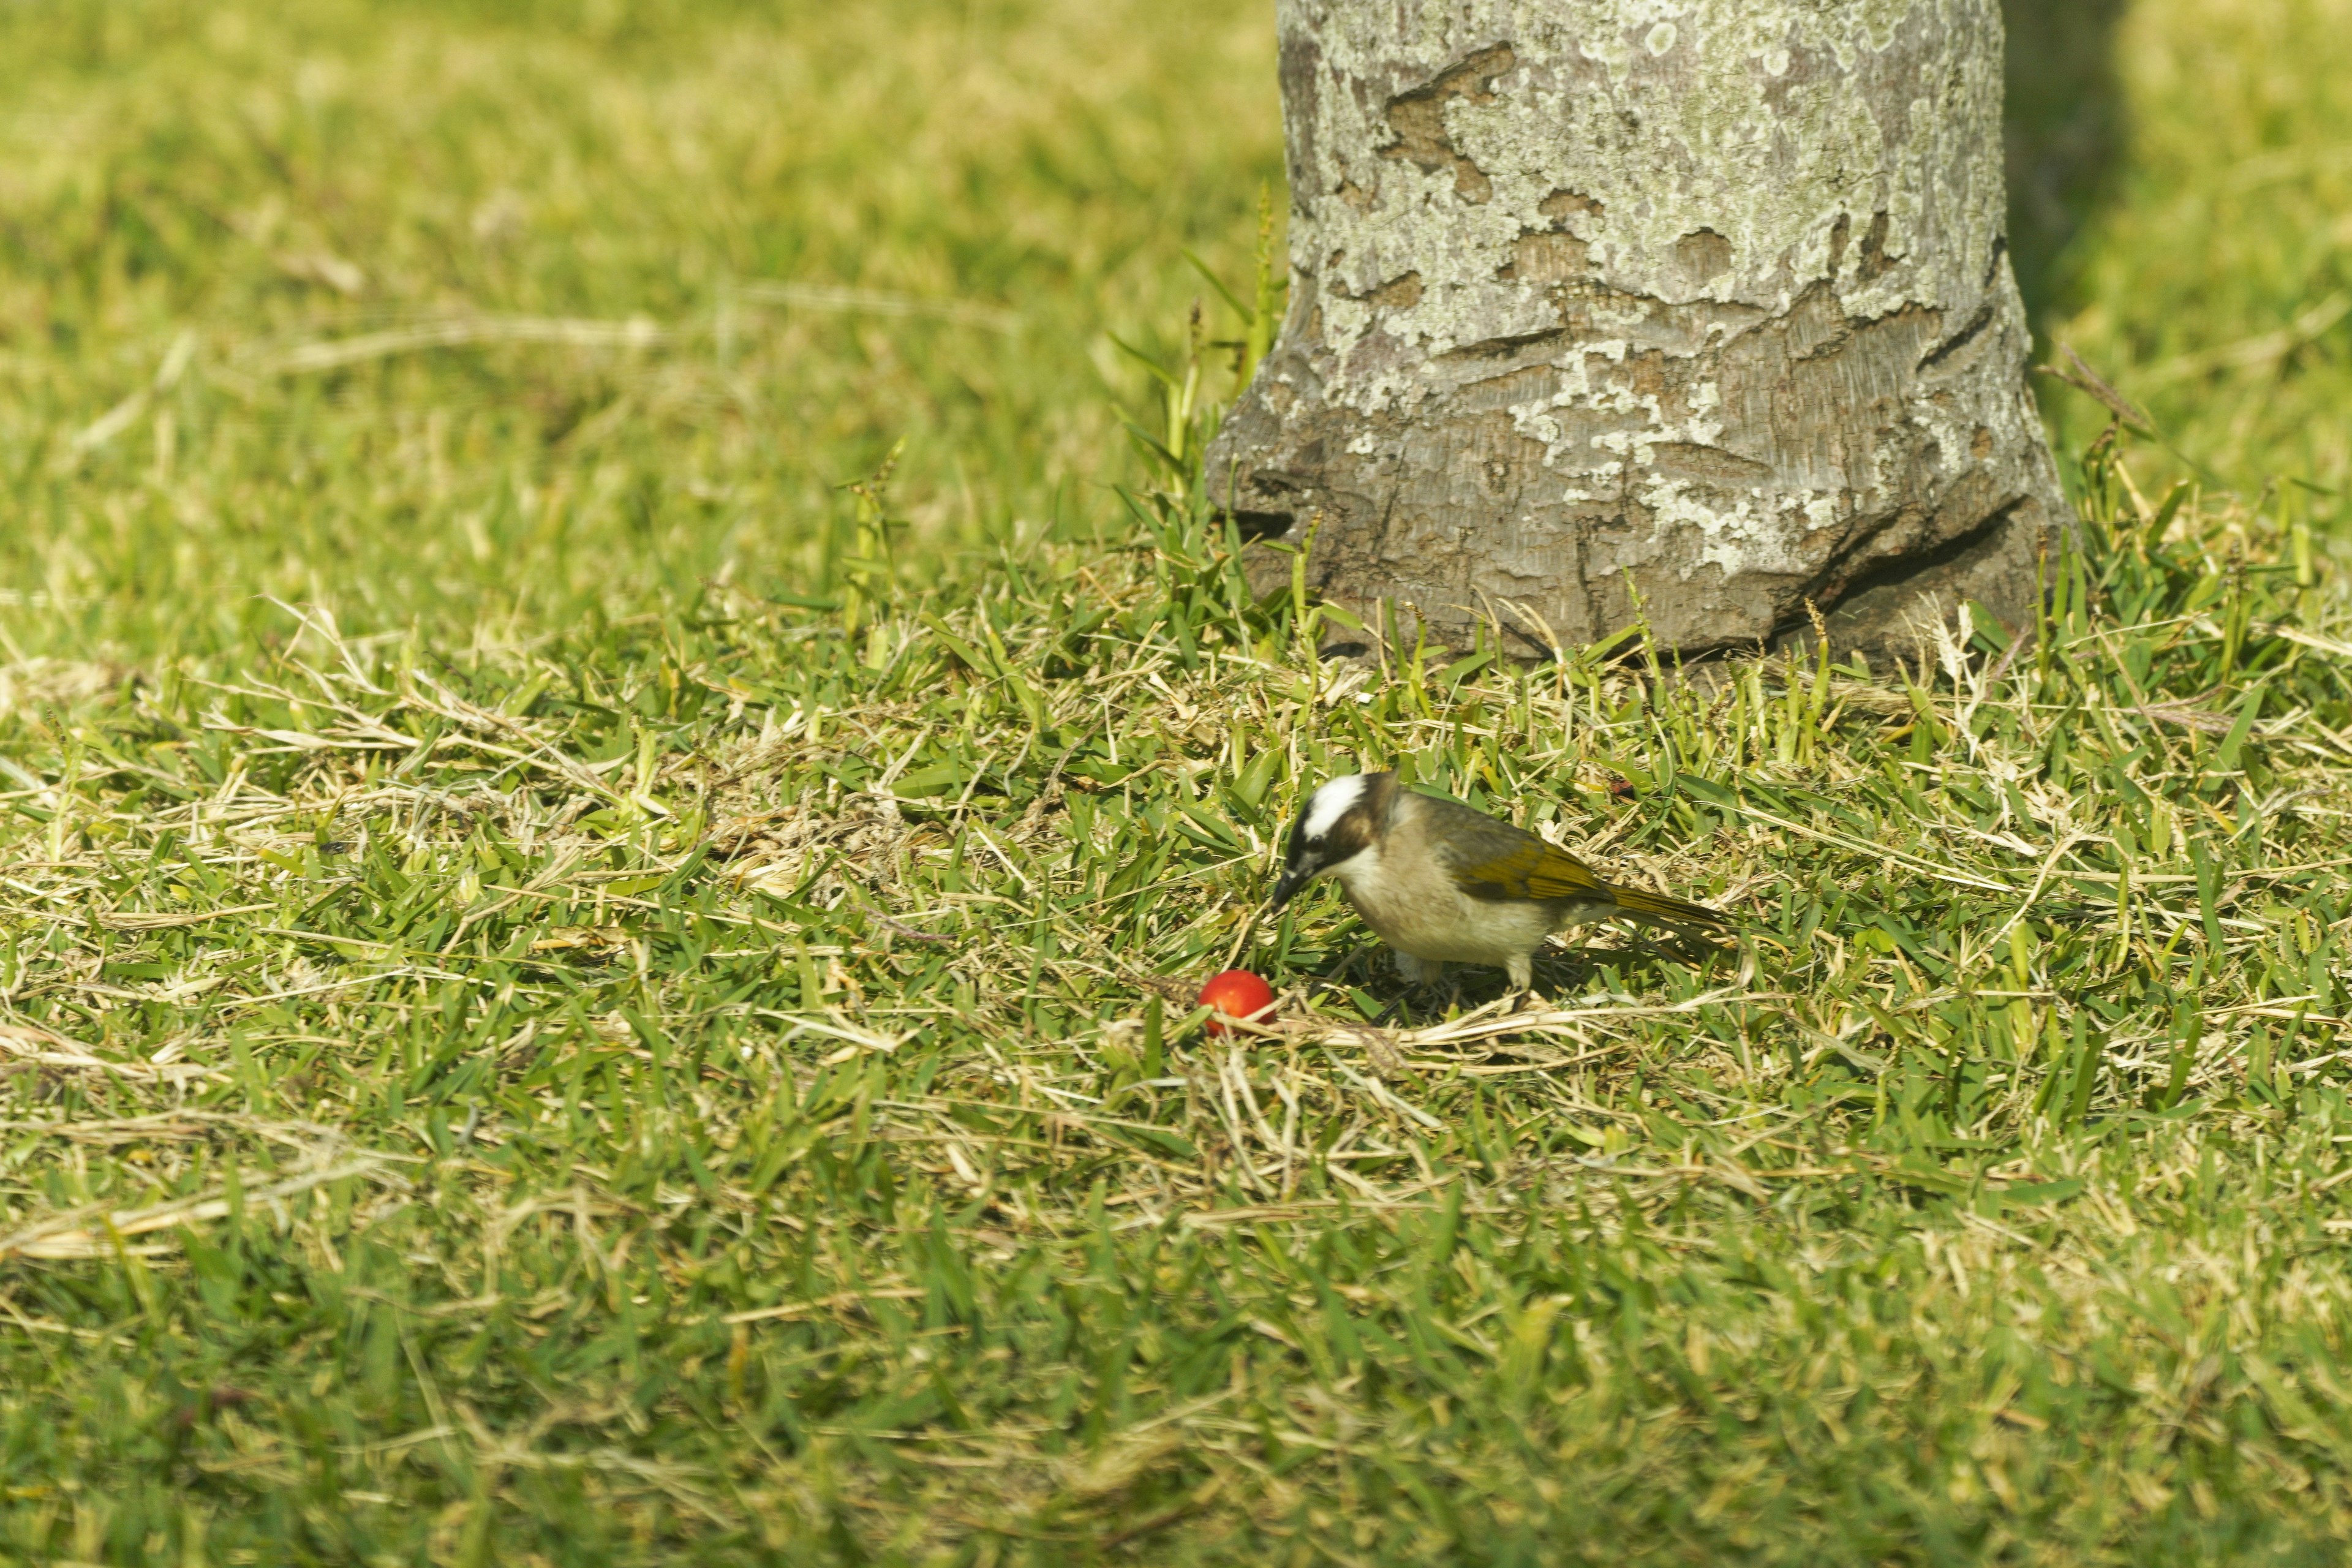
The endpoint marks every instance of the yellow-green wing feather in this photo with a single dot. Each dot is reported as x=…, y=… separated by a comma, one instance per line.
x=1529, y=869
x=1491, y=859
x=1659, y=907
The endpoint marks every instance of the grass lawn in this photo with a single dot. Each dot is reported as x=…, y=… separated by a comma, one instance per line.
x=618, y=775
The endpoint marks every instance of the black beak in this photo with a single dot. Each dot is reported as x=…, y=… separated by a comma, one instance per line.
x=1285, y=890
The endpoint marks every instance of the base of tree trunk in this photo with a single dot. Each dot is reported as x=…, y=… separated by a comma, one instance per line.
x=1884, y=608
x=1596, y=318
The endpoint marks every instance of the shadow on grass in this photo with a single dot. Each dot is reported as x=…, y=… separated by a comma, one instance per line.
x=2066, y=133
x=1564, y=977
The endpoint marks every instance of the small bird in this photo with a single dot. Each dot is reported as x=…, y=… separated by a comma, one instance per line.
x=1440, y=882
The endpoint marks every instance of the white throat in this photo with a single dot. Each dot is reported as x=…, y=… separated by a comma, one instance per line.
x=1360, y=871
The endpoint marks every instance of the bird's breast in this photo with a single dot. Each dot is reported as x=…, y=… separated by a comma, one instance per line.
x=1413, y=905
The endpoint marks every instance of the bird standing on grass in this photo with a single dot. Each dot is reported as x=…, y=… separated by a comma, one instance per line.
x=1440, y=883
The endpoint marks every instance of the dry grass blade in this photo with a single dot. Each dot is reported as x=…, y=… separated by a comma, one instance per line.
x=874, y=303
x=2254, y=352
x=466, y=331
x=71, y=1235
x=2083, y=378
x=136, y=919
x=39, y=1048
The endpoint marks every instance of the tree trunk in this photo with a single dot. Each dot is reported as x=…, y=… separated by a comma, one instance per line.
x=1703, y=300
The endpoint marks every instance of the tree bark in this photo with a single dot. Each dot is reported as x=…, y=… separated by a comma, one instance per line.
x=1703, y=301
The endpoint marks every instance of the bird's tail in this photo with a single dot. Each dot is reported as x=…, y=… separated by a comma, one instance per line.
x=1663, y=911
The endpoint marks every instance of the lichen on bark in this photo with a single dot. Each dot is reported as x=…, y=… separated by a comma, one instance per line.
x=1705, y=301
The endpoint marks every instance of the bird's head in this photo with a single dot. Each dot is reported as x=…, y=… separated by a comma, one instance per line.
x=1340, y=822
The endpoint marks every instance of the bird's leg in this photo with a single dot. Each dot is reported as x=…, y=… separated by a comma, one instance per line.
x=1522, y=971
x=1419, y=971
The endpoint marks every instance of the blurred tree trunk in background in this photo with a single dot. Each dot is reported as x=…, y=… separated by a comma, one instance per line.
x=1714, y=309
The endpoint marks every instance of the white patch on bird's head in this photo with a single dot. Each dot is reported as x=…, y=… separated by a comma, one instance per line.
x=1334, y=830
x=1330, y=803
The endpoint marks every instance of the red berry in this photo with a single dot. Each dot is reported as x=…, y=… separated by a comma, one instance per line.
x=1236, y=994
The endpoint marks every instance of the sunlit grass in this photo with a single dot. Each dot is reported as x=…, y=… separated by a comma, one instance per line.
x=781, y=248
x=2212, y=283
x=589, y=977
